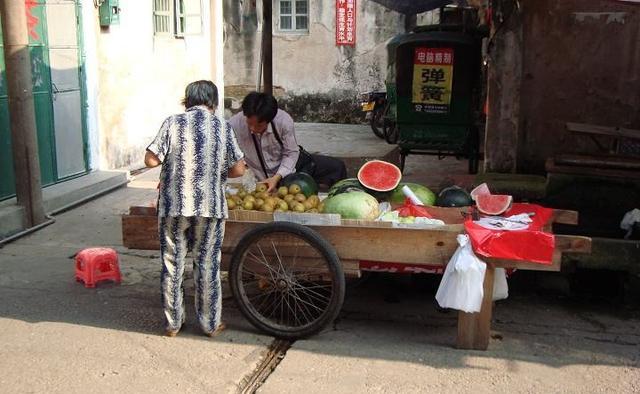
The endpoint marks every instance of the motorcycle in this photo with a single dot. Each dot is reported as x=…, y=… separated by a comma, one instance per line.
x=374, y=104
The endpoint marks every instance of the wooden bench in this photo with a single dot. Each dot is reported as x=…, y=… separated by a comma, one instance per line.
x=609, y=162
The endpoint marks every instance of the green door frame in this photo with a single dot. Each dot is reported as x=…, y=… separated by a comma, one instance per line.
x=43, y=101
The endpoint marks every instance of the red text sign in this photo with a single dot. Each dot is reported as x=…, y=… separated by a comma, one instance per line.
x=345, y=22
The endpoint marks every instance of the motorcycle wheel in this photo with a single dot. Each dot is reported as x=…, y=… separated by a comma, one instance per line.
x=376, y=122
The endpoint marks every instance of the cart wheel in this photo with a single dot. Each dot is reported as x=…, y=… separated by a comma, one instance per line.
x=390, y=129
x=287, y=280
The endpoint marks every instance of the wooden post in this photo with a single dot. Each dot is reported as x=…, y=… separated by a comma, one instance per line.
x=503, y=90
x=474, y=329
x=21, y=111
x=267, y=46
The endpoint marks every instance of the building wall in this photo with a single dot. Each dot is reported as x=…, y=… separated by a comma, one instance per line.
x=140, y=79
x=585, y=68
x=313, y=75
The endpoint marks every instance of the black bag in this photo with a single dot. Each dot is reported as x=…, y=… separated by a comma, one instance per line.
x=305, y=162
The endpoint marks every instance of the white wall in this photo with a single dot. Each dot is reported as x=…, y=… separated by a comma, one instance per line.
x=312, y=63
x=141, y=79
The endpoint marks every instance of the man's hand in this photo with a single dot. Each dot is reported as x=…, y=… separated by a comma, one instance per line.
x=272, y=183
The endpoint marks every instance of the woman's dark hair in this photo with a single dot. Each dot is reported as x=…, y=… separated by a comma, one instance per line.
x=200, y=93
x=262, y=105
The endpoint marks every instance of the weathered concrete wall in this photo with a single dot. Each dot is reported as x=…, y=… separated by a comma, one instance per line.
x=141, y=80
x=309, y=68
x=581, y=64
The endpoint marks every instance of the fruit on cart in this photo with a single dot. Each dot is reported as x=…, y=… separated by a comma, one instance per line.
x=289, y=197
x=423, y=193
x=346, y=186
x=353, y=205
x=321, y=207
x=300, y=197
x=261, y=187
x=282, y=205
x=299, y=182
x=298, y=207
x=454, y=196
x=493, y=204
x=354, y=185
x=283, y=191
x=379, y=175
x=481, y=189
x=231, y=204
x=248, y=205
x=314, y=200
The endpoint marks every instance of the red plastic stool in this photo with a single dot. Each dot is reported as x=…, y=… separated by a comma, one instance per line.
x=96, y=264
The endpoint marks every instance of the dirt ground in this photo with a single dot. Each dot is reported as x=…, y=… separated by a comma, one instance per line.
x=57, y=336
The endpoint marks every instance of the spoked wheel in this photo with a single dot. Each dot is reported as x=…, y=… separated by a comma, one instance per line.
x=287, y=280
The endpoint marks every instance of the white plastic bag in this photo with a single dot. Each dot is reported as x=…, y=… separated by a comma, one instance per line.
x=500, y=286
x=462, y=284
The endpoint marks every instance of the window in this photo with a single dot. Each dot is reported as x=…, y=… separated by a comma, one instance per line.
x=177, y=17
x=294, y=15
x=188, y=17
x=162, y=17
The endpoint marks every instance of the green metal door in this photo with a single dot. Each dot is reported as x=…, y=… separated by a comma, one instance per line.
x=54, y=105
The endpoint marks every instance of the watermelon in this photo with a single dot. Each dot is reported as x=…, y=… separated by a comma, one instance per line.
x=353, y=205
x=305, y=181
x=423, y=193
x=482, y=189
x=354, y=185
x=454, y=196
x=345, y=186
x=379, y=175
x=493, y=204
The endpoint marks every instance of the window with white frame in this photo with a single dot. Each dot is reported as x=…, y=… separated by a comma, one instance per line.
x=177, y=17
x=188, y=17
x=162, y=17
x=294, y=15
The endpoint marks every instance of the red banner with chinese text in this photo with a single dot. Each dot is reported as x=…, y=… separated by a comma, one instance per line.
x=345, y=22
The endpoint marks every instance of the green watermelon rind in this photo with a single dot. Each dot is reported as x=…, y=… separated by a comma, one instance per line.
x=308, y=186
x=422, y=192
x=353, y=205
x=352, y=185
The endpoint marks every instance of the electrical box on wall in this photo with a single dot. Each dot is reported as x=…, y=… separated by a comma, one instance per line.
x=109, y=12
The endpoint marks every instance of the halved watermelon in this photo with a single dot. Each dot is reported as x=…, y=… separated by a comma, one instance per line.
x=482, y=189
x=493, y=204
x=379, y=175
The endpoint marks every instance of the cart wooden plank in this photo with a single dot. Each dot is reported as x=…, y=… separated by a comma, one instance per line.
x=356, y=241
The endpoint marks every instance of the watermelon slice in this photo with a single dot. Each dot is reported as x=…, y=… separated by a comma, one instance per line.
x=482, y=189
x=379, y=175
x=493, y=204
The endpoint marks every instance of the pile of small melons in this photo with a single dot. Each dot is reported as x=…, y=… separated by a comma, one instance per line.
x=287, y=199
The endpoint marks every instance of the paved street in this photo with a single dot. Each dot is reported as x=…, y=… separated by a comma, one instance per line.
x=58, y=336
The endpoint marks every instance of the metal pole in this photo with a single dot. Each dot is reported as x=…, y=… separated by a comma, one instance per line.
x=267, y=45
x=21, y=110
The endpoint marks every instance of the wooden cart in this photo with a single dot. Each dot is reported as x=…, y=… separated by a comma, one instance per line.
x=288, y=279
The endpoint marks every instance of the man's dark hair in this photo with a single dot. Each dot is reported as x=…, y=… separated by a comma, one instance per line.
x=200, y=93
x=262, y=105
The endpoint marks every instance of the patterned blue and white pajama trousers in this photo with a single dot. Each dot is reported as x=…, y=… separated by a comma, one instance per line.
x=179, y=234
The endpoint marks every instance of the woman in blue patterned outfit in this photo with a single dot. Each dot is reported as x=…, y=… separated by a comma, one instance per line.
x=198, y=152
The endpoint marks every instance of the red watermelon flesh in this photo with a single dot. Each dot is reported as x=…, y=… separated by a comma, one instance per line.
x=493, y=204
x=480, y=189
x=379, y=175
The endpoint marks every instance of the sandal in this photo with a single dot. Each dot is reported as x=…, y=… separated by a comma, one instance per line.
x=221, y=327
